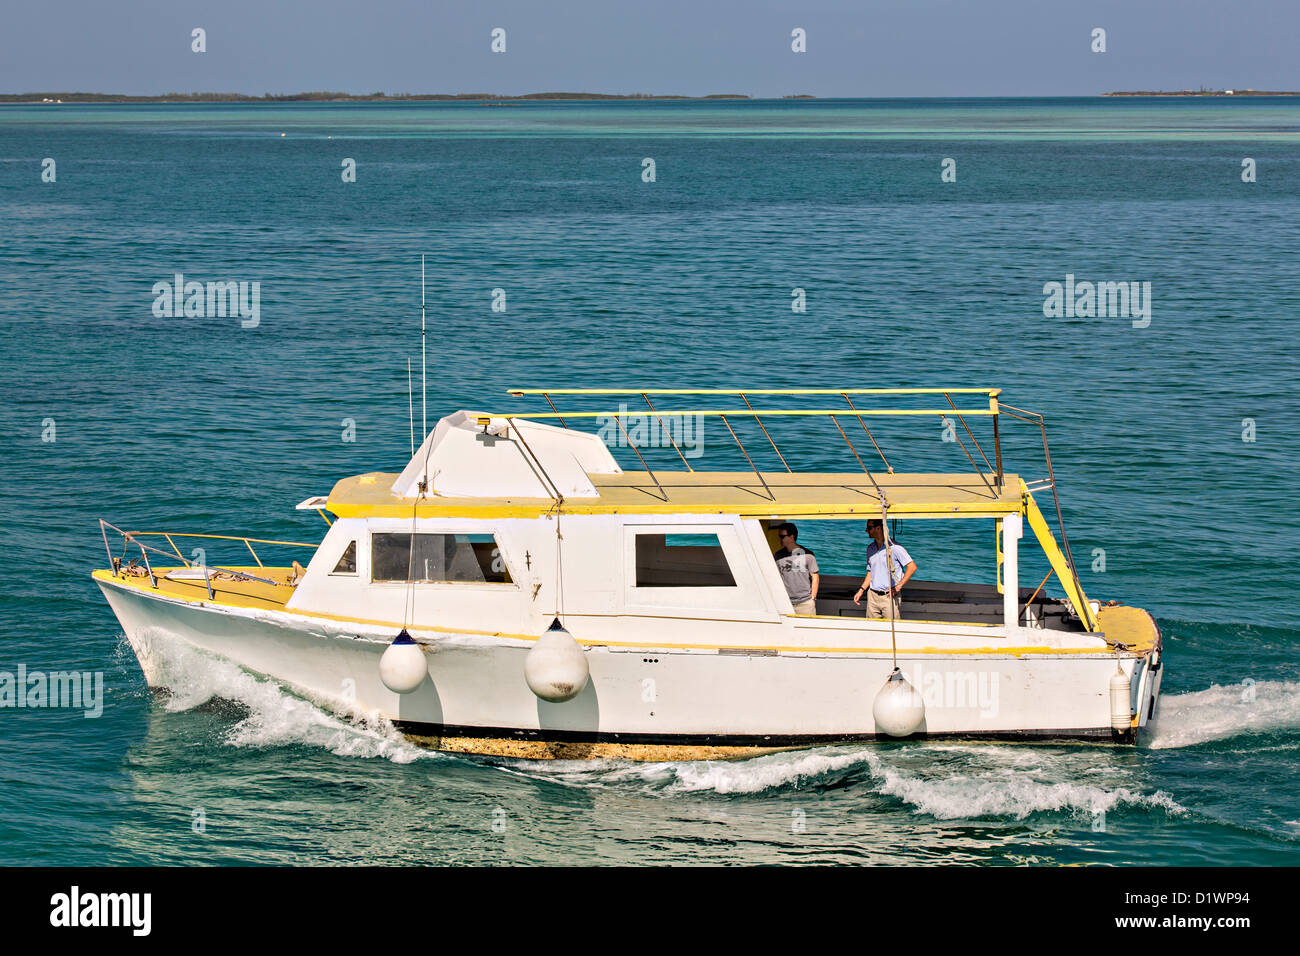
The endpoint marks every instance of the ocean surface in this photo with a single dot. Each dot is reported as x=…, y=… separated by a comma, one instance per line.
x=1174, y=441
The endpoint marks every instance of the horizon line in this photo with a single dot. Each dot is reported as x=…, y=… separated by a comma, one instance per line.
x=85, y=97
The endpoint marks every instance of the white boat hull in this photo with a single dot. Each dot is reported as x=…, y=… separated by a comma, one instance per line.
x=645, y=702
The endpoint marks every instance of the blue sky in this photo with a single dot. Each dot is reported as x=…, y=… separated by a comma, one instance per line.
x=883, y=48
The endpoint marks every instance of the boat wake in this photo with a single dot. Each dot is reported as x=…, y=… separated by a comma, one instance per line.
x=1217, y=713
x=273, y=716
x=945, y=781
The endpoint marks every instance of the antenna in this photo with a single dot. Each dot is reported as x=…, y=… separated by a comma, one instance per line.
x=424, y=406
x=410, y=402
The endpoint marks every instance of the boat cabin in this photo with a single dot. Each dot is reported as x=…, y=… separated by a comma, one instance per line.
x=512, y=519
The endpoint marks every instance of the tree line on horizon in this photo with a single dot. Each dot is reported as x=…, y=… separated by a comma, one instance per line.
x=328, y=96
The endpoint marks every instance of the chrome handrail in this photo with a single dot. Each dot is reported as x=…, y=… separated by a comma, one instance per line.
x=132, y=537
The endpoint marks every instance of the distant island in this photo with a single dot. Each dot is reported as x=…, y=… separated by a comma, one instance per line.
x=326, y=96
x=1204, y=92
x=330, y=97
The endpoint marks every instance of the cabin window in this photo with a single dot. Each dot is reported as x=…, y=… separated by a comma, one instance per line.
x=681, y=561
x=348, y=561
x=461, y=558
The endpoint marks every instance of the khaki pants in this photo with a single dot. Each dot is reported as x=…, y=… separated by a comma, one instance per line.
x=882, y=606
x=807, y=607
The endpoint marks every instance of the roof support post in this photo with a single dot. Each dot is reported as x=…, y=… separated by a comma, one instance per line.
x=667, y=430
x=536, y=463
x=554, y=409
x=962, y=444
x=770, y=496
x=997, y=442
x=1012, y=530
x=618, y=417
x=863, y=422
x=769, y=437
x=836, y=422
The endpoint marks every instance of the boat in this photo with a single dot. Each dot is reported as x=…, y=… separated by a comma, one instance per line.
x=513, y=592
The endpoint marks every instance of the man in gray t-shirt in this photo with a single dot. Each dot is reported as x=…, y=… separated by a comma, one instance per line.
x=798, y=567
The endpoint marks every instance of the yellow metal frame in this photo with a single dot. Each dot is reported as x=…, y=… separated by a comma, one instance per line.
x=846, y=412
x=1047, y=541
x=991, y=393
x=1028, y=507
x=757, y=415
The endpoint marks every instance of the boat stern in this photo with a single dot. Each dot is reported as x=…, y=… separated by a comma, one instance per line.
x=1134, y=634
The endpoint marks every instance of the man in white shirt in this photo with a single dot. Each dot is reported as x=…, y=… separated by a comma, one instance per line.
x=883, y=594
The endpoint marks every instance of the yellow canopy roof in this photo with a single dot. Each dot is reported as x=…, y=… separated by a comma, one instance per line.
x=779, y=494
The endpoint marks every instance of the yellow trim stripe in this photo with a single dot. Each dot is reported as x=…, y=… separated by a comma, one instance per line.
x=770, y=412
x=534, y=507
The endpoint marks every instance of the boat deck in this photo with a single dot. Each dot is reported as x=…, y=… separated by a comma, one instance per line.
x=227, y=589
x=1131, y=626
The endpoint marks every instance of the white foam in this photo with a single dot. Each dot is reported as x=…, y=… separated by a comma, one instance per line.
x=1216, y=713
x=1002, y=794
x=944, y=781
x=275, y=716
x=764, y=773
x=753, y=775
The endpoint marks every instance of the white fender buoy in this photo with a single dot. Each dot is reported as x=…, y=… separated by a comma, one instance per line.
x=898, y=708
x=1121, y=715
x=402, y=667
x=556, y=668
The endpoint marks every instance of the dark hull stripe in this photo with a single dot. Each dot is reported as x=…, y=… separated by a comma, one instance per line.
x=420, y=729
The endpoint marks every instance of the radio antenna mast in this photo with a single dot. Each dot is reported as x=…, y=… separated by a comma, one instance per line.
x=424, y=408
x=410, y=403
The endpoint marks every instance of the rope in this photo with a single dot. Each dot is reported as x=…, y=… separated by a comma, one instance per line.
x=889, y=563
x=408, y=606
x=536, y=464
x=559, y=564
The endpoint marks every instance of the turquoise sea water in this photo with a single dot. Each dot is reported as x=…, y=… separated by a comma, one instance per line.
x=200, y=425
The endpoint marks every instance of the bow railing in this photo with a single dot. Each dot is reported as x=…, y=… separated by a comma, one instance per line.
x=133, y=538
